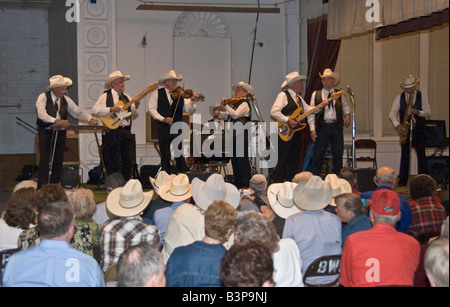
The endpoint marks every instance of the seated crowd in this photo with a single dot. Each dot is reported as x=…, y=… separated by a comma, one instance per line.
x=208, y=233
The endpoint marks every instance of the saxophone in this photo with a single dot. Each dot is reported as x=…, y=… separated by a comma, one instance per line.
x=404, y=137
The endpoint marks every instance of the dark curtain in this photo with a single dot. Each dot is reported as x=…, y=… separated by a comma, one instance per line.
x=322, y=54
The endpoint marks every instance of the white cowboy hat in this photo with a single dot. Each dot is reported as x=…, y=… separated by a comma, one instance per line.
x=114, y=76
x=409, y=82
x=315, y=194
x=214, y=107
x=329, y=73
x=160, y=179
x=58, y=81
x=171, y=74
x=214, y=188
x=129, y=200
x=338, y=186
x=177, y=189
x=245, y=86
x=291, y=78
x=281, y=199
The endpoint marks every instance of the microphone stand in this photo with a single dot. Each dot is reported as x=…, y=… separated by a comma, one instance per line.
x=352, y=98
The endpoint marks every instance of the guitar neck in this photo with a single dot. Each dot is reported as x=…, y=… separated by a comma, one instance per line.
x=333, y=96
x=141, y=95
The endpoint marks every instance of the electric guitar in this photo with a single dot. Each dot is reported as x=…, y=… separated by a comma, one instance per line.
x=113, y=119
x=286, y=132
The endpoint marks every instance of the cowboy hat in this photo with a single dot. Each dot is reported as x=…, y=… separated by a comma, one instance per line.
x=160, y=179
x=409, y=82
x=171, y=74
x=214, y=188
x=58, y=81
x=245, y=86
x=281, y=199
x=329, y=73
x=314, y=195
x=114, y=76
x=291, y=78
x=214, y=107
x=338, y=186
x=129, y=200
x=177, y=189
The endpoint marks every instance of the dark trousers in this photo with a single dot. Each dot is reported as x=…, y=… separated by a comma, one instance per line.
x=328, y=134
x=288, y=158
x=242, y=170
x=165, y=139
x=45, y=152
x=118, y=148
x=419, y=140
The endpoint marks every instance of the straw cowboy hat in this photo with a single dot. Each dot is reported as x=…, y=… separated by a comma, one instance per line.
x=314, y=195
x=177, y=189
x=160, y=179
x=129, y=200
x=114, y=76
x=245, y=86
x=329, y=73
x=338, y=186
x=171, y=74
x=409, y=82
x=291, y=78
x=58, y=81
x=214, y=188
x=281, y=199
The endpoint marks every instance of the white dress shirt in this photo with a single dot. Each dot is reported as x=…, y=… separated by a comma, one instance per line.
x=189, y=105
x=396, y=108
x=330, y=112
x=72, y=109
x=100, y=108
x=242, y=111
x=282, y=101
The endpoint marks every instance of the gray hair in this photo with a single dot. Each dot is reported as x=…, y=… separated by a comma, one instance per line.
x=436, y=262
x=385, y=176
x=385, y=219
x=138, y=264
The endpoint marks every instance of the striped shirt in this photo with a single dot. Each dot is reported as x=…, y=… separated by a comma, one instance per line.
x=119, y=234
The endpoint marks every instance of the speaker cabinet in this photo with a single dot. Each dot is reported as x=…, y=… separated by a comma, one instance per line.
x=438, y=166
x=364, y=177
x=146, y=172
x=436, y=133
x=71, y=154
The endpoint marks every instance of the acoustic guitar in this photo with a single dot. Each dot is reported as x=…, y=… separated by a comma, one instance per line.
x=286, y=132
x=113, y=119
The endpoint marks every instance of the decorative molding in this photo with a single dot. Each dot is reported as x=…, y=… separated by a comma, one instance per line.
x=202, y=24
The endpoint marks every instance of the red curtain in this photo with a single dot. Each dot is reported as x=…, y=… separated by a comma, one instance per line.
x=322, y=54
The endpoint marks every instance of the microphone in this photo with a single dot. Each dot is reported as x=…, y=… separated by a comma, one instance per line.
x=350, y=91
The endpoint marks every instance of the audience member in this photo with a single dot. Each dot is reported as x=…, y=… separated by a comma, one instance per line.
x=302, y=176
x=286, y=258
x=249, y=265
x=141, y=266
x=281, y=201
x=187, y=223
x=158, y=202
x=86, y=238
x=20, y=214
x=49, y=193
x=70, y=181
x=127, y=203
x=198, y=264
x=381, y=256
x=177, y=192
x=54, y=263
x=436, y=263
x=258, y=183
x=246, y=206
x=26, y=184
x=349, y=174
x=427, y=212
x=352, y=213
x=385, y=179
x=316, y=232
x=113, y=181
x=338, y=187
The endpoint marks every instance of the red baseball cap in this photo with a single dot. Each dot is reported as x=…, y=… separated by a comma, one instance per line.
x=385, y=202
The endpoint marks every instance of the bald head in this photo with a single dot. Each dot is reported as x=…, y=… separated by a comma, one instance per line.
x=385, y=176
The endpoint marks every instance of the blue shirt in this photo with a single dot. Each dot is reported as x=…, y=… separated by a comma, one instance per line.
x=162, y=217
x=405, y=209
x=358, y=223
x=195, y=265
x=52, y=264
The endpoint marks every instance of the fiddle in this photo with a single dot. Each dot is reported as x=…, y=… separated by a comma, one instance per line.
x=186, y=94
x=233, y=101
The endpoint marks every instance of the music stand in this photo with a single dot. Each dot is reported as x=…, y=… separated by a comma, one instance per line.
x=79, y=128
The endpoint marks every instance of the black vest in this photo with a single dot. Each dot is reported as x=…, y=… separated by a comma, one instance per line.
x=339, y=113
x=51, y=110
x=110, y=103
x=244, y=119
x=291, y=106
x=166, y=110
x=420, y=121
